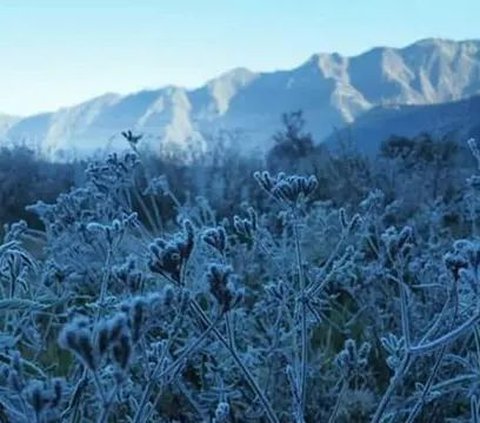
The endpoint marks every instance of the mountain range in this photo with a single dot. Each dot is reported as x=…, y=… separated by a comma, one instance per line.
x=386, y=85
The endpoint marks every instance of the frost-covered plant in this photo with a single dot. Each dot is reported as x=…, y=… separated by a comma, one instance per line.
x=299, y=311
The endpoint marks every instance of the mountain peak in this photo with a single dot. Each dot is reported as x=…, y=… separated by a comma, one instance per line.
x=331, y=89
x=433, y=42
x=235, y=73
x=443, y=44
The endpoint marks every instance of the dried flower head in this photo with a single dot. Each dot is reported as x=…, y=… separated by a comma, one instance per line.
x=287, y=189
x=216, y=238
x=220, y=279
x=76, y=337
x=169, y=257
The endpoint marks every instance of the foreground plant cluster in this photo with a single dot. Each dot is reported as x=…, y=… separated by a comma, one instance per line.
x=298, y=312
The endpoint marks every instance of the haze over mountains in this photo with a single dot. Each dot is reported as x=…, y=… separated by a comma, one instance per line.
x=332, y=90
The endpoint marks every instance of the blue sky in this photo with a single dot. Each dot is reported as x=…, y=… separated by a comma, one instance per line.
x=58, y=53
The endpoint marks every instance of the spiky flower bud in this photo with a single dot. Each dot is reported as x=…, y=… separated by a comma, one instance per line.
x=122, y=351
x=137, y=317
x=252, y=214
x=352, y=360
x=220, y=280
x=277, y=291
x=287, y=189
x=354, y=223
x=395, y=347
x=37, y=397
x=245, y=229
x=84, y=349
x=117, y=325
x=58, y=389
x=216, y=238
x=76, y=337
x=168, y=258
x=168, y=295
x=405, y=235
x=464, y=261
x=222, y=412
x=264, y=180
x=103, y=338
x=129, y=274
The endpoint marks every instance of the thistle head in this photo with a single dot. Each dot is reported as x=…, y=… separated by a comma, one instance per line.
x=169, y=257
x=216, y=238
x=289, y=190
x=221, y=281
x=76, y=337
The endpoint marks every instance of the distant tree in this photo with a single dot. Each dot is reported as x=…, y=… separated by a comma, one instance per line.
x=429, y=159
x=349, y=175
x=293, y=145
x=26, y=178
x=398, y=147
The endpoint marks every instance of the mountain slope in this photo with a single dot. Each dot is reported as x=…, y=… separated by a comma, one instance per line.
x=459, y=119
x=6, y=122
x=331, y=89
